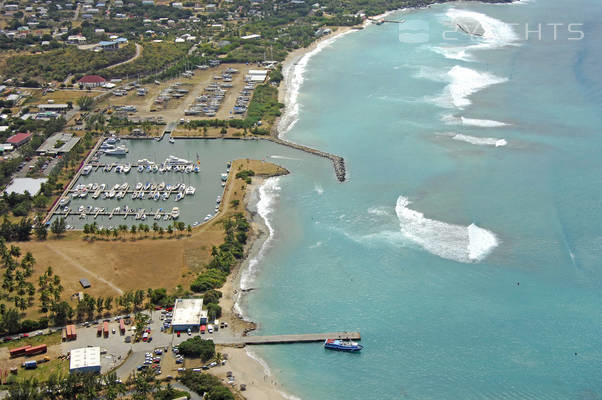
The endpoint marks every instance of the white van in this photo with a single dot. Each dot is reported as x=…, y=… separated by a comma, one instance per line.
x=210, y=328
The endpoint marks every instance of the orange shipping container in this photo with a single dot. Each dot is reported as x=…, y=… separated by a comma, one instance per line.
x=36, y=350
x=19, y=351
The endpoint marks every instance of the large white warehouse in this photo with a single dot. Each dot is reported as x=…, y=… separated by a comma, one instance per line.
x=85, y=359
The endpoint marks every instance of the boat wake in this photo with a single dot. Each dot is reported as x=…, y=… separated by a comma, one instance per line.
x=450, y=119
x=318, y=189
x=488, y=32
x=453, y=242
x=294, y=76
x=479, y=141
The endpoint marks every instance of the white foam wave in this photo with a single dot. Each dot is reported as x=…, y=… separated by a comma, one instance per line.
x=294, y=77
x=381, y=211
x=259, y=360
x=277, y=157
x=483, y=123
x=463, y=82
x=454, y=242
x=319, y=189
x=479, y=141
x=268, y=193
x=492, y=33
x=450, y=119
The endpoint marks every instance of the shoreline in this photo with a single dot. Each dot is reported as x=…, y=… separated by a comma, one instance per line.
x=247, y=367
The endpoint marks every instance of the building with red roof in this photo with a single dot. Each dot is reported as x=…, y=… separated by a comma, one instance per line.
x=19, y=139
x=91, y=81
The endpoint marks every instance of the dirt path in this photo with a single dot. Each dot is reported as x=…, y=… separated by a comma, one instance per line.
x=138, y=54
x=78, y=265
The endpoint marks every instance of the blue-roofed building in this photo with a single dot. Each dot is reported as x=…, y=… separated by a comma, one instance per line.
x=108, y=45
x=121, y=40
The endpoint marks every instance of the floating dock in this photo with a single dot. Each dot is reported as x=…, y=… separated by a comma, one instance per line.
x=283, y=339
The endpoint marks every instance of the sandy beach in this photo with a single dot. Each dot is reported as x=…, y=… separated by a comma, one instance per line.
x=260, y=384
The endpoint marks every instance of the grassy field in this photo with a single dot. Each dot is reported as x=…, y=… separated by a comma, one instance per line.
x=137, y=262
x=53, y=338
x=61, y=96
x=42, y=372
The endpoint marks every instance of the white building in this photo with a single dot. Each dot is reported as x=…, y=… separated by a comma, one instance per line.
x=256, y=75
x=85, y=359
x=251, y=37
x=187, y=314
x=22, y=185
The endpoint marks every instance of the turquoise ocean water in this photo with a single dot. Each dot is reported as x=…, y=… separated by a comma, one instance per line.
x=466, y=244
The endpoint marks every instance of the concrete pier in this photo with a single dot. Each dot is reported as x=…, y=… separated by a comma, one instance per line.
x=283, y=339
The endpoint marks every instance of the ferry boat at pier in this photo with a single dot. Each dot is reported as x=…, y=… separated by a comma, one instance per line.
x=342, y=345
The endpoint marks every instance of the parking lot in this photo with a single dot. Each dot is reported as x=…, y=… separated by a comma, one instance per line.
x=115, y=349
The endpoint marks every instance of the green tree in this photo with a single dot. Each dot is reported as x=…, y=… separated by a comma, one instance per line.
x=58, y=226
x=197, y=347
x=41, y=231
x=85, y=103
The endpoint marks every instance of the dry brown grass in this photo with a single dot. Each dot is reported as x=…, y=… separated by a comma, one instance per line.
x=133, y=262
x=61, y=96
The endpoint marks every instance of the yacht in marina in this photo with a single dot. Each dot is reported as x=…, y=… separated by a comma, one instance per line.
x=117, y=151
x=175, y=212
x=190, y=190
x=86, y=170
x=173, y=161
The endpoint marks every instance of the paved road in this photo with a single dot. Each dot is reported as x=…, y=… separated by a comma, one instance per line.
x=138, y=54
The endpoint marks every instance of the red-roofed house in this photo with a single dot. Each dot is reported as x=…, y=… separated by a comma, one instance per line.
x=19, y=139
x=91, y=81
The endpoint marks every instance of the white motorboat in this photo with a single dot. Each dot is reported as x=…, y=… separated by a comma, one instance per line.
x=86, y=170
x=117, y=151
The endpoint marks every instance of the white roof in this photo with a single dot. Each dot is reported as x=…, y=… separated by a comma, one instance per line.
x=263, y=72
x=84, y=357
x=20, y=185
x=187, y=312
x=249, y=37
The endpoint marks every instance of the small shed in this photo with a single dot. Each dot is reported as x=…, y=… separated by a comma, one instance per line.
x=85, y=283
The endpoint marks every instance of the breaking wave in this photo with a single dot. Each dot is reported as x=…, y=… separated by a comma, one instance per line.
x=492, y=33
x=268, y=193
x=480, y=141
x=462, y=83
x=294, y=77
x=454, y=242
x=482, y=123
